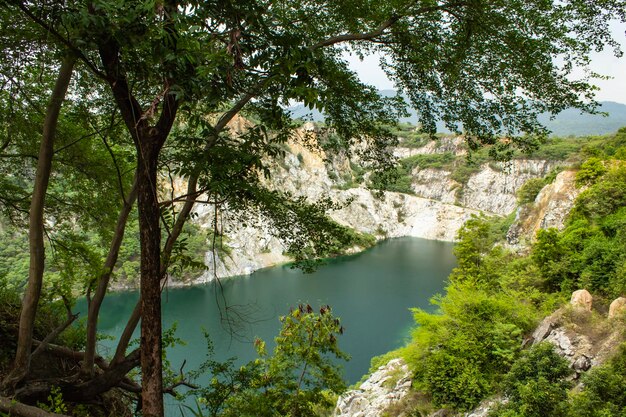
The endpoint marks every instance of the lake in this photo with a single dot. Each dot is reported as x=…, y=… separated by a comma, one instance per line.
x=371, y=292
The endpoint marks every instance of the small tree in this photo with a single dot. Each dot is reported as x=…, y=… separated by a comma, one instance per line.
x=536, y=385
x=291, y=382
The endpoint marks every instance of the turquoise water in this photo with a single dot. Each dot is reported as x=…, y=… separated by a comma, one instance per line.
x=371, y=292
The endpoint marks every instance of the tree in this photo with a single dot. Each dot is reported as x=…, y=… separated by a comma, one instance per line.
x=486, y=67
x=288, y=383
x=536, y=384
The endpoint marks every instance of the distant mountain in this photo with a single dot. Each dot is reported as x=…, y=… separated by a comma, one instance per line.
x=568, y=122
x=572, y=122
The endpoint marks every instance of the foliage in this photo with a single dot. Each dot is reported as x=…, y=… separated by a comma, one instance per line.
x=55, y=402
x=536, y=385
x=603, y=393
x=590, y=170
x=293, y=381
x=459, y=354
x=475, y=251
x=529, y=191
x=589, y=253
x=159, y=81
x=559, y=148
x=53, y=314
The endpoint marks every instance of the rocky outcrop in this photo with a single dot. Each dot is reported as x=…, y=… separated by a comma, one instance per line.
x=584, y=340
x=435, y=184
x=453, y=144
x=389, y=385
x=617, y=307
x=550, y=209
x=582, y=299
x=491, y=189
x=494, y=188
x=396, y=214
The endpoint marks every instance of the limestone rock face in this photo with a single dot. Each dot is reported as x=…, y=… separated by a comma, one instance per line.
x=582, y=299
x=435, y=184
x=617, y=306
x=494, y=188
x=396, y=214
x=550, y=209
x=576, y=339
x=387, y=386
x=438, y=209
x=455, y=145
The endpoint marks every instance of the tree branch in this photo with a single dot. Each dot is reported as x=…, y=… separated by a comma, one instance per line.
x=15, y=408
x=103, y=281
x=71, y=317
x=48, y=28
x=357, y=36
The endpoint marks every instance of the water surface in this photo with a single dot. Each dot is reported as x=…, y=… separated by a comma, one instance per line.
x=371, y=292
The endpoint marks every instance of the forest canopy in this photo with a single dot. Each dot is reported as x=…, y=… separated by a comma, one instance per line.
x=102, y=98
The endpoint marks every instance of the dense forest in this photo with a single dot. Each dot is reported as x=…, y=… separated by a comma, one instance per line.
x=118, y=117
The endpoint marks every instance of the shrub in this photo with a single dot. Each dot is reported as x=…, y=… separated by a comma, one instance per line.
x=536, y=385
x=603, y=394
x=529, y=191
x=459, y=354
x=590, y=171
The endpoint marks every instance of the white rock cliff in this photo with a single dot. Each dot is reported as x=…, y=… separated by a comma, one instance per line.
x=438, y=209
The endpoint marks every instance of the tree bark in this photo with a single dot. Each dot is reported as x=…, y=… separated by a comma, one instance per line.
x=21, y=364
x=103, y=282
x=150, y=237
x=14, y=408
x=133, y=320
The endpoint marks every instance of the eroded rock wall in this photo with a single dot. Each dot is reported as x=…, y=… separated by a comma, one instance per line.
x=438, y=209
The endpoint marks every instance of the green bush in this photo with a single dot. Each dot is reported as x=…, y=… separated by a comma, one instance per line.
x=436, y=160
x=459, y=354
x=536, y=385
x=298, y=379
x=529, y=191
x=590, y=171
x=604, y=394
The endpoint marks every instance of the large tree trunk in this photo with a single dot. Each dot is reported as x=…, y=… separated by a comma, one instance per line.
x=21, y=365
x=148, y=142
x=182, y=217
x=150, y=238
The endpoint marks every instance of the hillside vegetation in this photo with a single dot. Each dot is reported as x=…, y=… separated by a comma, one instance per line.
x=471, y=349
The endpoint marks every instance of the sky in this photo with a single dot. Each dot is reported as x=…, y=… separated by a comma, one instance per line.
x=604, y=63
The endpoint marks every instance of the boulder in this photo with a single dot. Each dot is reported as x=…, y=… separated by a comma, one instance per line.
x=384, y=388
x=617, y=306
x=582, y=299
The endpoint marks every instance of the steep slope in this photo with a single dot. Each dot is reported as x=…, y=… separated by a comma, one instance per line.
x=437, y=207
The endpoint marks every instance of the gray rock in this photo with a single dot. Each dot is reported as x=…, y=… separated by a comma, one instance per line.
x=387, y=386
